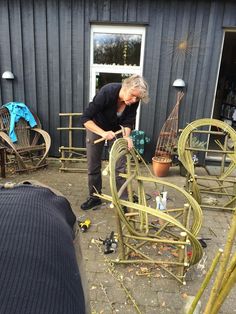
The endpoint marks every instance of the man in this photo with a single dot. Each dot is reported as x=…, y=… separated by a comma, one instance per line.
x=115, y=105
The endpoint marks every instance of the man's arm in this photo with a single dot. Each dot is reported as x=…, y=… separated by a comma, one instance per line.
x=126, y=135
x=93, y=127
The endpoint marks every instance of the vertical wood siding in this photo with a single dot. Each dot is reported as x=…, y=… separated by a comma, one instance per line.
x=46, y=45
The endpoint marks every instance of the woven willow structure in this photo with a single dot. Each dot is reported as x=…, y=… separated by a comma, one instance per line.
x=167, y=140
x=220, y=188
x=166, y=238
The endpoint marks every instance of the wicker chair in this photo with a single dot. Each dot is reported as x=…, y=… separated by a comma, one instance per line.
x=32, y=146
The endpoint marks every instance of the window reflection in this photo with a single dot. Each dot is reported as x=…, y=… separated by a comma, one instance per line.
x=118, y=49
x=105, y=78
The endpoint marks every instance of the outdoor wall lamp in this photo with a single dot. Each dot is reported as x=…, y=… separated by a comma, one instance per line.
x=179, y=84
x=8, y=75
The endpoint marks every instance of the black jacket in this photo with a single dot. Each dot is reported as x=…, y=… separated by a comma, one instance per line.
x=103, y=109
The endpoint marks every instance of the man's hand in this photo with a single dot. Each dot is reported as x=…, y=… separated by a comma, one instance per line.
x=108, y=135
x=129, y=141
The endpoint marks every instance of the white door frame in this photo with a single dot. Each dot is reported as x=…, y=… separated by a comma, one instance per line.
x=112, y=68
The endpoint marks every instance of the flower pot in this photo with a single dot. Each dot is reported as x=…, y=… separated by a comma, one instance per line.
x=161, y=166
x=163, y=153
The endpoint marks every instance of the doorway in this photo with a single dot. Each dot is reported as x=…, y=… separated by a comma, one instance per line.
x=225, y=101
x=117, y=51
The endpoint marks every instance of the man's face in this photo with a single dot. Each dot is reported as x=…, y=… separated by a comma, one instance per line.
x=131, y=96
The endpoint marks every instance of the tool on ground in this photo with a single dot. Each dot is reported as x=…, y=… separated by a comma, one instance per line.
x=103, y=138
x=202, y=241
x=110, y=243
x=84, y=225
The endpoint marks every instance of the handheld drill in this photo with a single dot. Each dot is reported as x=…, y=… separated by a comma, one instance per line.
x=110, y=244
x=84, y=225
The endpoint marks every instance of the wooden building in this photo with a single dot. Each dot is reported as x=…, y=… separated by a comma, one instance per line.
x=60, y=51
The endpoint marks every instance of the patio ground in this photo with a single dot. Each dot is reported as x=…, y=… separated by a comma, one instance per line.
x=126, y=289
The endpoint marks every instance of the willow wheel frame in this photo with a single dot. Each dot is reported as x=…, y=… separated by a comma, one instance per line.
x=144, y=230
x=222, y=186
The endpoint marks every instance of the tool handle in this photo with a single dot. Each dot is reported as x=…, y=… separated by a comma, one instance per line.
x=103, y=138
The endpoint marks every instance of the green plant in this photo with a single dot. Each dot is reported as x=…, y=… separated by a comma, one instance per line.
x=196, y=143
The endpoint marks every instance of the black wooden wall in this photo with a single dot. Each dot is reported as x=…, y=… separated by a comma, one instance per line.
x=45, y=43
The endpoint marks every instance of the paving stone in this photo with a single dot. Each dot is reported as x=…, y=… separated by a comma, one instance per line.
x=101, y=307
x=159, y=310
x=127, y=308
x=167, y=285
x=101, y=265
x=170, y=300
x=145, y=295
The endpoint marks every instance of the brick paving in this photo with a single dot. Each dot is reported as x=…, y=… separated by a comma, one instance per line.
x=123, y=289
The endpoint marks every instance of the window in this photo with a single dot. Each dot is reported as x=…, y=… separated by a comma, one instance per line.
x=117, y=49
x=116, y=53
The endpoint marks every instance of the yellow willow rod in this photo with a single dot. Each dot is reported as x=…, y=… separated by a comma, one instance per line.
x=223, y=265
x=224, y=292
x=205, y=282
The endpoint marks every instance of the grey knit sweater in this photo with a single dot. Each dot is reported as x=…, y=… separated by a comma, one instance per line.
x=38, y=267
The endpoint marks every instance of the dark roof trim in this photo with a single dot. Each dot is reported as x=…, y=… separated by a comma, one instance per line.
x=118, y=23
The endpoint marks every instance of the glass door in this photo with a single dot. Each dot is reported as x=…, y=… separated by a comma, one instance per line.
x=116, y=53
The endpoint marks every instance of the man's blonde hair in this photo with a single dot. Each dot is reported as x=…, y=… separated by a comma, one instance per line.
x=136, y=81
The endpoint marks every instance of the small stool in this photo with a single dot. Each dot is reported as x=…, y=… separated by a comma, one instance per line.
x=3, y=161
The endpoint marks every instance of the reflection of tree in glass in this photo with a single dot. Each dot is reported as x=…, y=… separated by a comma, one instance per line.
x=119, y=49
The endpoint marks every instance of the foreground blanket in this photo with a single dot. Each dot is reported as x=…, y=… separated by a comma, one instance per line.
x=39, y=271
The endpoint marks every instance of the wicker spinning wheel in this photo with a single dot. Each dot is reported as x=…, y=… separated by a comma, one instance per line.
x=143, y=229
x=222, y=186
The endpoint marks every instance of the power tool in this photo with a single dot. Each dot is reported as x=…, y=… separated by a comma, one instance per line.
x=84, y=225
x=110, y=243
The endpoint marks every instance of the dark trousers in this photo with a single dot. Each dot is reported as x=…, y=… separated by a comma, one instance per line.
x=94, y=160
